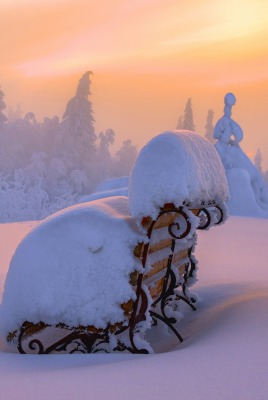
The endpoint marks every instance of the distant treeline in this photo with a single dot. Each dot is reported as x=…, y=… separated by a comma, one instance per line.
x=46, y=166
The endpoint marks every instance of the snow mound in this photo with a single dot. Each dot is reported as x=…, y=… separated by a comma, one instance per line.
x=235, y=159
x=108, y=188
x=176, y=167
x=60, y=273
x=104, y=194
x=242, y=197
x=113, y=184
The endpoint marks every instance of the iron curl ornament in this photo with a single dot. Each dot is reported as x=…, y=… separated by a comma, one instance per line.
x=210, y=215
x=185, y=230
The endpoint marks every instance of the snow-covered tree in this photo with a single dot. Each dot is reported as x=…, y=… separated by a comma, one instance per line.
x=226, y=129
x=45, y=166
x=34, y=173
x=246, y=183
x=3, y=118
x=258, y=160
x=209, y=127
x=77, y=129
x=14, y=115
x=179, y=123
x=51, y=136
x=265, y=175
x=78, y=181
x=106, y=139
x=188, y=120
x=16, y=145
x=125, y=158
x=21, y=201
x=30, y=118
x=29, y=134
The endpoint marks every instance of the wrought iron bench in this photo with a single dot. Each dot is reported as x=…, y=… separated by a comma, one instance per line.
x=169, y=269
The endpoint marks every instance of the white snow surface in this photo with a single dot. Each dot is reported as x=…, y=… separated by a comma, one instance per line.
x=112, y=184
x=175, y=167
x=248, y=190
x=103, y=194
x=243, y=200
x=224, y=353
x=108, y=188
x=59, y=272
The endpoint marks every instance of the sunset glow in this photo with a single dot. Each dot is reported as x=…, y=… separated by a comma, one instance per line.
x=147, y=56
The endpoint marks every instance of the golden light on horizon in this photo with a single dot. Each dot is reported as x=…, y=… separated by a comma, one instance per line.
x=146, y=55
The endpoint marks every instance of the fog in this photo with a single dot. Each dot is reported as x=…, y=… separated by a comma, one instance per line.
x=148, y=59
x=138, y=106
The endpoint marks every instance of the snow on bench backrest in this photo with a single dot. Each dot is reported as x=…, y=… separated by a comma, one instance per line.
x=176, y=167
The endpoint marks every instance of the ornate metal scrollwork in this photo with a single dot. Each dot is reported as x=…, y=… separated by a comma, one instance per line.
x=185, y=230
x=75, y=341
x=169, y=294
x=138, y=316
x=163, y=301
x=211, y=215
x=220, y=212
x=188, y=274
x=205, y=218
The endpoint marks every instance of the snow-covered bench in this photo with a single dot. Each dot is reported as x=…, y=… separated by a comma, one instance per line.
x=96, y=276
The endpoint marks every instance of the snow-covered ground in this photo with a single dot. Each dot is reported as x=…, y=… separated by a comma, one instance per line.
x=108, y=188
x=224, y=354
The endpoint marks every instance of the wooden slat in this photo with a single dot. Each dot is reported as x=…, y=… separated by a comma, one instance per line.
x=156, y=288
x=165, y=220
x=163, y=263
x=162, y=244
x=157, y=267
x=179, y=255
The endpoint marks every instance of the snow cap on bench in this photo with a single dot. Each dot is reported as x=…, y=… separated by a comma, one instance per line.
x=176, y=167
x=74, y=268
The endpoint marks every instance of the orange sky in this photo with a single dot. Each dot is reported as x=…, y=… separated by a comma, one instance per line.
x=148, y=58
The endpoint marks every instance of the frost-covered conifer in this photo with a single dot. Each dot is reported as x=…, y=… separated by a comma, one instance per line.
x=188, y=120
x=30, y=118
x=179, y=123
x=258, y=160
x=78, y=132
x=247, y=186
x=209, y=127
x=125, y=158
x=51, y=136
x=265, y=175
x=3, y=118
x=14, y=115
x=106, y=139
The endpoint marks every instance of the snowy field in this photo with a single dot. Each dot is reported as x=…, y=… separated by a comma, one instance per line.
x=224, y=354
